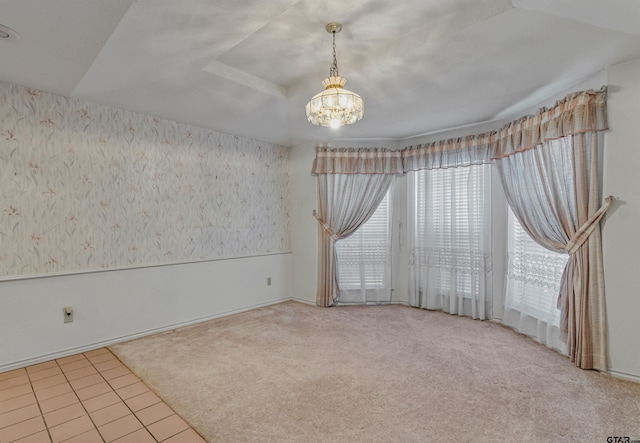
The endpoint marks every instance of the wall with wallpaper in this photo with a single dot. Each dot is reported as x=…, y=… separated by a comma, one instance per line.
x=92, y=198
x=85, y=187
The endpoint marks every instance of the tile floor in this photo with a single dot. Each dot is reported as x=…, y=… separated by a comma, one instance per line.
x=85, y=398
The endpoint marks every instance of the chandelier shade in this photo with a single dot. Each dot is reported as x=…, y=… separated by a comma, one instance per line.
x=335, y=106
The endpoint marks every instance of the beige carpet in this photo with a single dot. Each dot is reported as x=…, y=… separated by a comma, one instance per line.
x=292, y=372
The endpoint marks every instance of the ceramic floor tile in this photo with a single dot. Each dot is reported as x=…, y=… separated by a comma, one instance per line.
x=109, y=364
x=154, y=413
x=139, y=436
x=22, y=429
x=68, y=367
x=101, y=401
x=11, y=374
x=125, y=380
x=97, y=352
x=79, y=373
x=188, y=436
x=41, y=366
x=87, y=381
x=110, y=413
x=93, y=436
x=115, y=372
x=39, y=437
x=48, y=382
x=45, y=373
x=53, y=391
x=93, y=390
x=17, y=402
x=19, y=415
x=14, y=381
x=120, y=427
x=62, y=415
x=70, y=359
x=97, y=359
x=71, y=428
x=16, y=391
x=58, y=402
x=79, y=404
x=167, y=427
x=132, y=390
x=142, y=401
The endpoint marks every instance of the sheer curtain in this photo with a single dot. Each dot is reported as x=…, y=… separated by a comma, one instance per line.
x=351, y=185
x=532, y=284
x=450, y=240
x=364, y=259
x=548, y=165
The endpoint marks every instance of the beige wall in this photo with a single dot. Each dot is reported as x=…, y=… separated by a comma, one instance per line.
x=621, y=240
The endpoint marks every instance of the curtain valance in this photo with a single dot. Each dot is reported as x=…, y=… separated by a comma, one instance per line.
x=580, y=112
x=452, y=153
x=577, y=113
x=357, y=161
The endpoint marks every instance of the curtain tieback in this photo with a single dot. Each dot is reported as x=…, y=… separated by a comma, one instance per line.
x=325, y=227
x=582, y=234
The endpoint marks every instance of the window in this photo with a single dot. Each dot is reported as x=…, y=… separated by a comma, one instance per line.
x=450, y=211
x=450, y=240
x=533, y=276
x=364, y=259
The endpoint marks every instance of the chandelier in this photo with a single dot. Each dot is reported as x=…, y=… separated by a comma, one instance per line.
x=335, y=106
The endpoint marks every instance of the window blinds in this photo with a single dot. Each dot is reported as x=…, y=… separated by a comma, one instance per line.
x=364, y=259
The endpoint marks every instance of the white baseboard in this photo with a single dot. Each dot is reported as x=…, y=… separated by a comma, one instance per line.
x=101, y=344
x=89, y=347
x=301, y=300
x=624, y=376
x=311, y=303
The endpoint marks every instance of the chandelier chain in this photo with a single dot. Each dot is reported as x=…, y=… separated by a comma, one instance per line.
x=333, y=71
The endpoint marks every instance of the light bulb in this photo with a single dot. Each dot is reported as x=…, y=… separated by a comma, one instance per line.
x=334, y=123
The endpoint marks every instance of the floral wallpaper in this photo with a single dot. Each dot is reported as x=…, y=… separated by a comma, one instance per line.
x=85, y=186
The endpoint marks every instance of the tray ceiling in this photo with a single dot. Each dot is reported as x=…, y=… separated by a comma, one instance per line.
x=249, y=67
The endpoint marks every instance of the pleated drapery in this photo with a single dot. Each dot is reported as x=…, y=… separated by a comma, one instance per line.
x=553, y=192
x=351, y=185
x=558, y=205
x=345, y=202
x=548, y=165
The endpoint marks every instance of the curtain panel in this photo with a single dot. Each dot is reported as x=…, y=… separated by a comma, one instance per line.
x=351, y=185
x=532, y=284
x=548, y=165
x=449, y=239
x=346, y=202
x=363, y=260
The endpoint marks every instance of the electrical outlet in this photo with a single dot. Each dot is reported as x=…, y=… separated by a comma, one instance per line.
x=268, y=281
x=67, y=312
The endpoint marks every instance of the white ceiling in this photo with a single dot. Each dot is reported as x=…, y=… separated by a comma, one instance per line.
x=248, y=67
